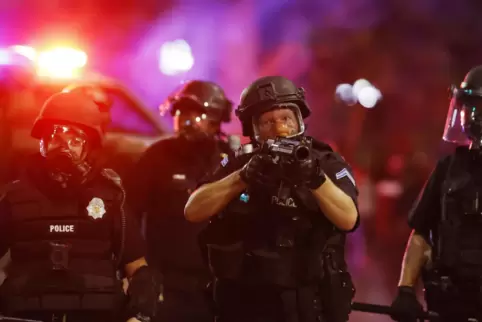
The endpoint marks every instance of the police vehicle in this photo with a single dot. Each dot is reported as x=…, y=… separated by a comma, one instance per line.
x=28, y=77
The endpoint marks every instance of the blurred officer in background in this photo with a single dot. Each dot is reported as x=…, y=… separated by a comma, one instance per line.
x=278, y=217
x=164, y=177
x=445, y=246
x=65, y=224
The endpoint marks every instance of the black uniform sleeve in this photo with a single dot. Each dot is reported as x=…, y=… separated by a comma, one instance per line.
x=134, y=244
x=5, y=225
x=426, y=210
x=341, y=174
x=140, y=182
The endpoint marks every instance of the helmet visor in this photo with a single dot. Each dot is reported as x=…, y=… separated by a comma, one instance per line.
x=464, y=118
x=282, y=120
x=63, y=139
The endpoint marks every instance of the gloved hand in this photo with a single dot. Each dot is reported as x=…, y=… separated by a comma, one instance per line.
x=307, y=173
x=145, y=291
x=406, y=307
x=259, y=171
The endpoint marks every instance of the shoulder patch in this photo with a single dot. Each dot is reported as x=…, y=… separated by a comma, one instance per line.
x=345, y=173
x=225, y=160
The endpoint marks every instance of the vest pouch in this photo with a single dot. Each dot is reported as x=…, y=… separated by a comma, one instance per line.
x=337, y=289
x=434, y=290
x=63, y=302
x=226, y=261
x=89, y=292
x=271, y=267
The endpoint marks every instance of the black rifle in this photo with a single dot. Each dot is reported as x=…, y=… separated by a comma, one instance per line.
x=285, y=153
x=386, y=309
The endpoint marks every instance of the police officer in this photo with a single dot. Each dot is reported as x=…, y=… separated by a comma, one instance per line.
x=445, y=246
x=165, y=175
x=278, y=256
x=65, y=224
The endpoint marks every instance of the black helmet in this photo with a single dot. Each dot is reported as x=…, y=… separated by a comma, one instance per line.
x=70, y=108
x=95, y=92
x=464, y=119
x=266, y=93
x=98, y=95
x=206, y=96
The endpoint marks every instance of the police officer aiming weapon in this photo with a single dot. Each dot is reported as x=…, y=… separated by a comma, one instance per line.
x=278, y=259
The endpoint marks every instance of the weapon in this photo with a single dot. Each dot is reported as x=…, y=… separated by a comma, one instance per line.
x=387, y=310
x=287, y=151
x=12, y=319
x=283, y=149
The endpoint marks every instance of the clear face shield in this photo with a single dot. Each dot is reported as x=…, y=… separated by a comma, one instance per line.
x=194, y=124
x=464, y=119
x=282, y=120
x=65, y=149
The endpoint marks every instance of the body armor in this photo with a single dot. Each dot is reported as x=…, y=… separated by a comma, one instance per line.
x=454, y=281
x=459, y=248
x=288, y=245
x=61, y=250
x=172, y=241
x=266, y=246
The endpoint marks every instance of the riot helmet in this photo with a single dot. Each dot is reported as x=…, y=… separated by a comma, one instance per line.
x=69, y=128
x=98, y=95
x=272, y=105
x=463, y=125
x=199, y=108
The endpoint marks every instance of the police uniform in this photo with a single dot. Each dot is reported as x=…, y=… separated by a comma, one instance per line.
x=65, y=245
x=274, y=255
x=66, y=226
x=160, y=186
x=280, y=259
x=448, y=215
x=165, y=176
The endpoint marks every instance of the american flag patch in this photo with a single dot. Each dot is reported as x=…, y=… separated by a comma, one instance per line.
x=345, y=173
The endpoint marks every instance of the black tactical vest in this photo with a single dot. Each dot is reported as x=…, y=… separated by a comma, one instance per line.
x=459, y=245
x=281, y=244
x=60, y=247
x=172, y=240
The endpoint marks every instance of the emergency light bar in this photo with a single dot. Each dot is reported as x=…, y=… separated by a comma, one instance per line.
x=58, y=62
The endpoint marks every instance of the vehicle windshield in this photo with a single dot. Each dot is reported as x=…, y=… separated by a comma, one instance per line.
x=24, y=105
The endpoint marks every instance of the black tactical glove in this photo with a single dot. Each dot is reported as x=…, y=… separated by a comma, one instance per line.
x=145, y=290
x=260, y=171
x=406, y=307
x=307, y=173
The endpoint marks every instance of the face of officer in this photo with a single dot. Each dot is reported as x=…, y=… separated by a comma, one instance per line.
x=280, y=121
x=194, y=124
x=65, y=149
x=471, y=116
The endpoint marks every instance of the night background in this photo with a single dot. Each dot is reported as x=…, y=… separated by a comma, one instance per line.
x=409, y=51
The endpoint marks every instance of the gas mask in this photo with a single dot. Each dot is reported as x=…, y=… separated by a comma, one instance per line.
x=193, y=125
x=66, y=148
